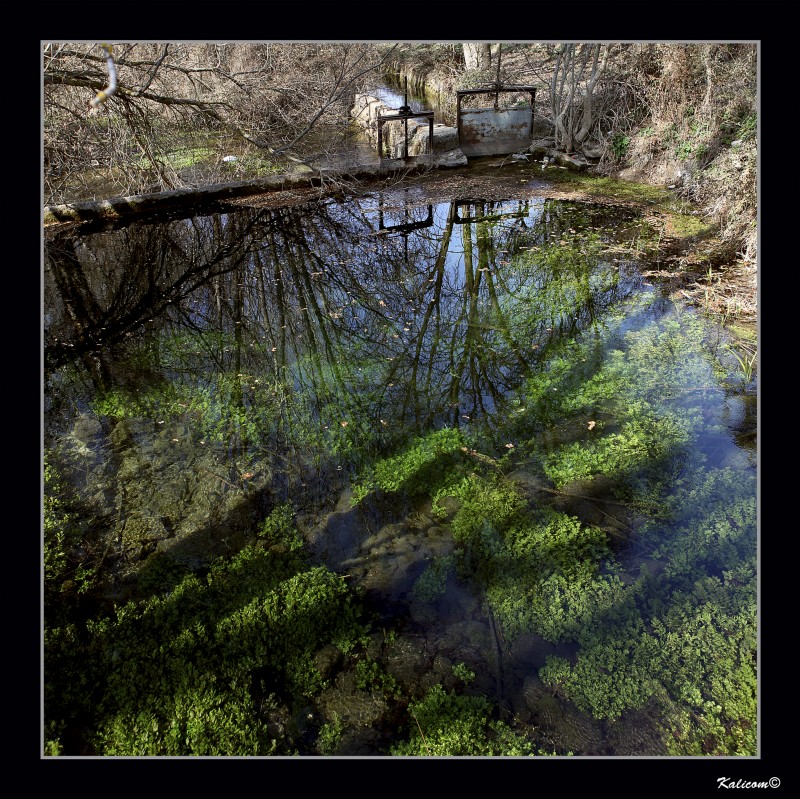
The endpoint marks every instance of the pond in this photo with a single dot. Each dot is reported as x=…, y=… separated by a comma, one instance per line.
x=393, y=476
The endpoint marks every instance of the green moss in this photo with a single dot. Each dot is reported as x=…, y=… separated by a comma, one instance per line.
x=686, y=225
x=188, y=156
x=610, y=188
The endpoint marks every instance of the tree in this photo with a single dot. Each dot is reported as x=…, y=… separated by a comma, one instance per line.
x=172, y=95
x=477, y=55
x=571, y=88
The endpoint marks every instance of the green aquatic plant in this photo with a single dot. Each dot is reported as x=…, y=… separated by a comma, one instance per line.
x=559, y=607
x=694, y=660
x=72, y=562
x=448, y=724
x=543, y=571
x=431, y=584
x=329, y=736
x=632, y=407
x=684, y=640
x=278, y=529
x=56, y=523
x=421, y=465
x=640, y=444
x=712, y=524
x=622, y=405
x=747, y=361
x=707, y=659
x=606, y=679
x=630, y=411
x=174, y=674
x=370, y=676
x=463, y=673
x=484, y=500
x=243, y=408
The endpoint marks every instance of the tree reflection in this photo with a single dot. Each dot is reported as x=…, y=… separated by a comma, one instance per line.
x=325, y=333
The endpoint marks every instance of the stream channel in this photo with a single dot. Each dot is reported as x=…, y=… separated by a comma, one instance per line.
x=389, y=365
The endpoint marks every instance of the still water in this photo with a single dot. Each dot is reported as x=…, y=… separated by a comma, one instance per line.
x=533, y=467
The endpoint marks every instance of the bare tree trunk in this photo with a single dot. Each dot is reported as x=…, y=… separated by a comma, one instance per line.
x=477, y=56
x=567, y=84
x=709, y=55
x=565, y=63
x=586, y=119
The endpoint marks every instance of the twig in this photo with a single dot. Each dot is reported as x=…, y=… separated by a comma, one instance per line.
x=498, y=651
x=424, y=742
x=214, y=474
x=492, y=462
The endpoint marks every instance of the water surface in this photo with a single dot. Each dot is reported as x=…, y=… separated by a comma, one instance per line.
x=203, y=371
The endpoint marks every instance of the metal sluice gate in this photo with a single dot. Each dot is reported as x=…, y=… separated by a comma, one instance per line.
x=403, y=114
x=495, y=130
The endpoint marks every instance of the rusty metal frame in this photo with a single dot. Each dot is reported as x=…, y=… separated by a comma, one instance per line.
x=407, y=227
x=463, y=220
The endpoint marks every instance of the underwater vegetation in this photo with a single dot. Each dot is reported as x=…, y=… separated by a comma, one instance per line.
x=568, y=430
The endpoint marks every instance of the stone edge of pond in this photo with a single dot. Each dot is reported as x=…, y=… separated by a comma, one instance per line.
x=119, y=208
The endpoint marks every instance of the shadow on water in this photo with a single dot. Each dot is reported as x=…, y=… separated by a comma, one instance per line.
x=200, y=372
